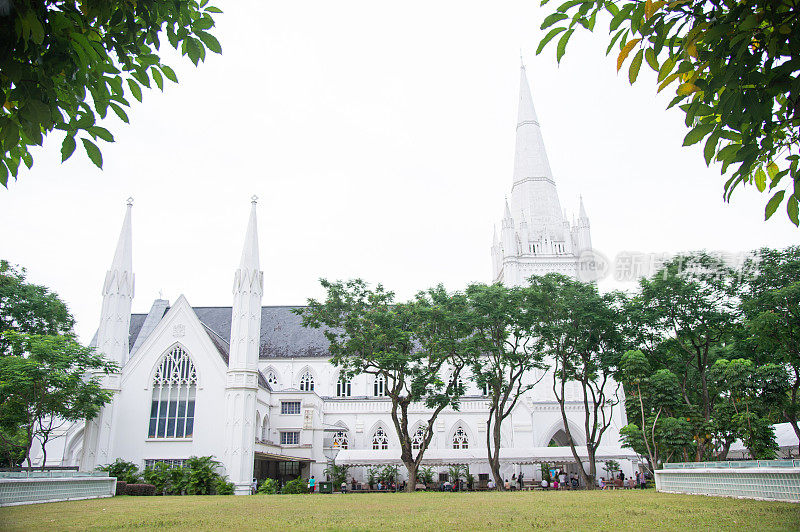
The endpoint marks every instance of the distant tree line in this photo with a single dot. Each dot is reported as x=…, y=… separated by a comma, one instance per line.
x=706, y=354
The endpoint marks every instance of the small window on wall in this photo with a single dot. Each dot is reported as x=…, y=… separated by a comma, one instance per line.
x=340, y=440
x=290, y=407
x=343, y=388
x=379, y=440
x=379, y=386
x=290, y=438
x=149, y=463
x=460, y=439
x=307, y=382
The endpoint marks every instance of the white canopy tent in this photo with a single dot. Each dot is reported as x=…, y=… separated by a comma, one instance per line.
x=519, y=456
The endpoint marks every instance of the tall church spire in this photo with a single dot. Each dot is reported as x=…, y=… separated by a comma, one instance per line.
x=249, y=259
x=113, y=344
x=115, y=316
x=533, y=188
x=535, y=236
x=242, y=377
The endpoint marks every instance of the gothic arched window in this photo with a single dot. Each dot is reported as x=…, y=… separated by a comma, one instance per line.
x=272, y=379
x=265, y=428
x=379, y=386
x=307, y=382
x=340, y=440
x=460, y=439
x=174, y=390
x=418, y=438
x=380, y=440
x=343, y=387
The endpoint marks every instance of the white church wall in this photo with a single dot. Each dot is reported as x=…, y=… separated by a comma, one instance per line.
x=179, y=327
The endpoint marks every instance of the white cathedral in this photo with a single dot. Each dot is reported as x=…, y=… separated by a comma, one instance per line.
x=250, y=386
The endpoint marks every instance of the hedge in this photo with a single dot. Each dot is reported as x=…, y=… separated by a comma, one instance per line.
x=140, y=489
x=121, y=487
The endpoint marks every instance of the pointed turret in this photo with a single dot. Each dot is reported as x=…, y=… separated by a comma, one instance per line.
x=115, y=316
x=583, y=231
x=113, y=344
x=242, y=378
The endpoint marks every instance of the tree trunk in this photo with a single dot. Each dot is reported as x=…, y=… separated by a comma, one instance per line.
x=493, y=447
x=411, y=485
x=44, y=453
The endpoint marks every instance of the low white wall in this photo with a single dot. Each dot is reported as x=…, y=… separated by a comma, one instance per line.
x=766, y=483
x=14, y=491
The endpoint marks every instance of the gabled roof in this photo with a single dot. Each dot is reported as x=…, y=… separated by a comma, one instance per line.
x=282, y=332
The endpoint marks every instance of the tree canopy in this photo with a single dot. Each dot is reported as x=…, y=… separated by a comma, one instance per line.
x=65, y=63
x=735, y=65
x=410, y=346
x=43, y=369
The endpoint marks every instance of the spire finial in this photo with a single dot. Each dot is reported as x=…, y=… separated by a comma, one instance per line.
x=129, y=201
x=521, y=60
x=254, y=199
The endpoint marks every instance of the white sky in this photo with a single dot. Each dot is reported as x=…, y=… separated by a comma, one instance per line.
x=380, y=138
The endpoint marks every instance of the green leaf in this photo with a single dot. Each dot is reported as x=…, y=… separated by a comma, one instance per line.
x=566, y=6
x=93, y=152
x=102, y=132
x=728, y=153
x=562, y=45
x=650, y=57
x=119, y=112
x=157, y=78
x=169, y=73
x=761, y=179
x=210, y=41
x=67, y=147
x=547, y=38
x=3, y=174
x=698, y=133
x=135, y=89
x=772, y=204
x=552, y=19
x=27, y=158
x=792, y=209
x=772, y=170
x=636, y=64
x=212, y=9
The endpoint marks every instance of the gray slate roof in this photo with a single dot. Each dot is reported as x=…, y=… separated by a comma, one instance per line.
x=282, y=333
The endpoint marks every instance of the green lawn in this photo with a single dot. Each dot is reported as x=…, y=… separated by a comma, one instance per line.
x=618, y=510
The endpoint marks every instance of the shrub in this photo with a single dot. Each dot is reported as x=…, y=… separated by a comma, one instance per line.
x=269, y=487
x=337, y=474
x=140, y=489
x=425, y=474
x=122, y=470
x=121, y=487
x=295, y=486
x=222, y=486
x=168, y=480
x=201, y=474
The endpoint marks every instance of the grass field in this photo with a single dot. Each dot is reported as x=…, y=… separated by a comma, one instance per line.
x=617, y=510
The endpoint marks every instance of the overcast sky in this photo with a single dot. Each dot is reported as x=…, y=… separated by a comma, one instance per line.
x=380, y=138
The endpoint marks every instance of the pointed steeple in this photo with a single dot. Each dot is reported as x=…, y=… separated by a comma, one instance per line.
x=242, y=378
x=533, y=189
x=582, y=211
x=123, y=256
x=249, y=259
x=531, y=158
x=495, y=240
x=507, y=212
x=118, y=287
